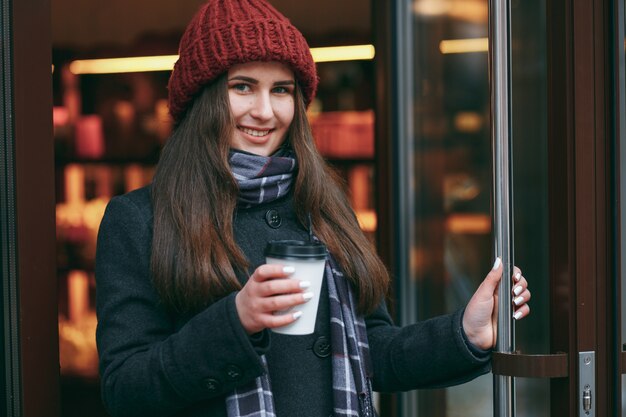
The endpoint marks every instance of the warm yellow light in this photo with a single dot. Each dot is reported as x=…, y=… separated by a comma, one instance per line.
x=367, y=220
x=120, y=65
x=475, y=11
x=431, y=8
x=166, y=62
x=468, y=121
x=343, y=53
x=468, y=223
x=461, y=46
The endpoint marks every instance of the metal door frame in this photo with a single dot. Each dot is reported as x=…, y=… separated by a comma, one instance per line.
x=581, y=198
x=27, y=225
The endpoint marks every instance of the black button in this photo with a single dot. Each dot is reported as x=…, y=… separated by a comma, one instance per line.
x=212, y=384
x=273, y=219
x=321, y=347
x=233, y=372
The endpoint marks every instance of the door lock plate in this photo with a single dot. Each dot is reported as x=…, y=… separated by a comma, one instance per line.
x=586, y=384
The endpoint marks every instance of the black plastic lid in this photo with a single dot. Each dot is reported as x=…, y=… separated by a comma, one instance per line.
x=295, y=249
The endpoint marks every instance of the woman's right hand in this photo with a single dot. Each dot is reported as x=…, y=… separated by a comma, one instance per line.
x=270, y=289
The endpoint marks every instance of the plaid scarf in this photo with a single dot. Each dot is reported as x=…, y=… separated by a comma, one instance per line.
x=352, y=392
x=262, y=178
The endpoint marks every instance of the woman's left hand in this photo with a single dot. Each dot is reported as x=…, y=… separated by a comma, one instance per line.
x=480, y=320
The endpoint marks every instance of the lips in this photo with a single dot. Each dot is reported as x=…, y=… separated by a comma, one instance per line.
x=255, y=132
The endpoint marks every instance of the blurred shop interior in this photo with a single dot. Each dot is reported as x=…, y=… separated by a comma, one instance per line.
x=109, y=128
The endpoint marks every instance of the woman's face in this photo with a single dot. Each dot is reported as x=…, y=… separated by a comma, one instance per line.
x=261, y=96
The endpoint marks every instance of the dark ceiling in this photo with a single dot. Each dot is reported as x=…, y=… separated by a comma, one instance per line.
x=86, y=24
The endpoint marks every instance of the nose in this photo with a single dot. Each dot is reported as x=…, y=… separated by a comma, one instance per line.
x=262, y=106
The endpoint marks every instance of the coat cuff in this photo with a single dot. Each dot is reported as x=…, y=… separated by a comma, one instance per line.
x=212, y=354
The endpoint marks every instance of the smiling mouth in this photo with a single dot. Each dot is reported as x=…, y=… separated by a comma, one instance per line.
x=255, y=132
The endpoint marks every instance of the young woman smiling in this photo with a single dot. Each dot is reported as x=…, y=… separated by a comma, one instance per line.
x=185, y=300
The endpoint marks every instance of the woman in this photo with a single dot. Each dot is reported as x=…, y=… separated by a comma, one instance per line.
x=185, y=301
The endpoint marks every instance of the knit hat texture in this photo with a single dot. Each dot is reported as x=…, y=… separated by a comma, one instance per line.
x=224, y=33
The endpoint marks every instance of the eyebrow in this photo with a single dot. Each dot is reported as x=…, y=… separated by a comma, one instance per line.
x=286, y=82
x=254, y=81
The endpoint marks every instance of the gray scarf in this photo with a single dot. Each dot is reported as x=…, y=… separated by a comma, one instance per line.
x=263, y=179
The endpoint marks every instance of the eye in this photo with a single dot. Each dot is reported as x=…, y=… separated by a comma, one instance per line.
x=282, y=90
x=241, y=87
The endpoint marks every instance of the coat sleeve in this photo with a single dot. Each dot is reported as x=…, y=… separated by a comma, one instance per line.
x=428, y=354
x=148, y=366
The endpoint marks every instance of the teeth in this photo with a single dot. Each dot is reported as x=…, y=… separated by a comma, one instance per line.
x=252, y=132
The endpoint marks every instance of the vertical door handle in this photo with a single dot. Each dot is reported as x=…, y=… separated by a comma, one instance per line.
x=500, y=86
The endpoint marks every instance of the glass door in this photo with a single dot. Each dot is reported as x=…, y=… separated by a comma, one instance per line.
x=451, y=231
x=441, y=180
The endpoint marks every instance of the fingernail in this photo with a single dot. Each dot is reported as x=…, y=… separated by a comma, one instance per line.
x=289, y=269
x=518, y=301
x=517, y=315
x=307, y=296
x=518, y=276
x=307, y=284
x=517, y=290
x=296, y=315
x=497, y=263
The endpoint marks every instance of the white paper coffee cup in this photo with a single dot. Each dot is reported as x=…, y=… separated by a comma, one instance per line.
x=308, y=259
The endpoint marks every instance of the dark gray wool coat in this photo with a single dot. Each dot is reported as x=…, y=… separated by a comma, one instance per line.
x=154, y=363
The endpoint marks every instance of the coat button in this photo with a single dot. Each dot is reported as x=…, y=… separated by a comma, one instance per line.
x=272, y=217
x=233, y=372
x=321, y=347
x=212, y=384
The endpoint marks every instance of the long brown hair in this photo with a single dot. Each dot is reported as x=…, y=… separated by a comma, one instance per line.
x=194, y=254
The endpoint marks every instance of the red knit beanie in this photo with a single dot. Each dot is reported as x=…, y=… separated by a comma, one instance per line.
x=224, y=33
